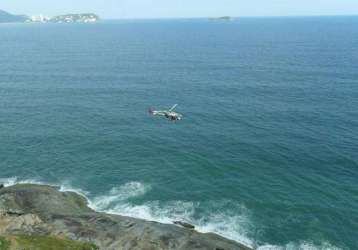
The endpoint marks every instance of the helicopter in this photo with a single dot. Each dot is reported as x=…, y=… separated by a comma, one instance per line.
x=169, y=114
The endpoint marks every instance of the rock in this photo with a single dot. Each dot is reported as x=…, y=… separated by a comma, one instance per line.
x=13, y=213
x=42, y=243
x=184, y=224
x=44, y=210
x=2, y=186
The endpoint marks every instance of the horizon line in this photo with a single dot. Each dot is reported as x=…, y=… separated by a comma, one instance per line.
x=248, y=16
x=194, y=17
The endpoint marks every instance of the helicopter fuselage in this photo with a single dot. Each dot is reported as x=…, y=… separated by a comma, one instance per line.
x=169, y=114
x=173, y=116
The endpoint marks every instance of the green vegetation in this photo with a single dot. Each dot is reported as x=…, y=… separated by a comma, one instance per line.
x=4, y=243
x=42, y=243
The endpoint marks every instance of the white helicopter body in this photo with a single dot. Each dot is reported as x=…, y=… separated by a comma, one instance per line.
x=169, y=114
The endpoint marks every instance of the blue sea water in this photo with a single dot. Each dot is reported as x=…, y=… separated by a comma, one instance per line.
x=266, y=153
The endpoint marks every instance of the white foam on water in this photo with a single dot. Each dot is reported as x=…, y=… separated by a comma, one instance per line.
x=153, y=211
x=14, y=180
x=223, y=223
x=67, y=187
x=63, y=187
x=116, y=202
x=118, y=194
x=226, y=226
x=230, y=226
x=300, y=246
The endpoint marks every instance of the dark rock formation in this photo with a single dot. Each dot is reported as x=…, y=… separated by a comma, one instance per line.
x=45, y=211
x=184, y=224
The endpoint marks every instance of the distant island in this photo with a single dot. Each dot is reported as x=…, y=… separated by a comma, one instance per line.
x=6, y=17
x=72, y=18
x=223, y=18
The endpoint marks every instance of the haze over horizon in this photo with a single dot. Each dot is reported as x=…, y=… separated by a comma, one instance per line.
x=184, y=8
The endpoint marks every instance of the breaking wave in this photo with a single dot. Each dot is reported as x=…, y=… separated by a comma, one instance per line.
x=235, y=226
x=63, y=187
x=14, y=180
x=213, y=217
x=300, y=246
x=118, y=194
x=116, y=202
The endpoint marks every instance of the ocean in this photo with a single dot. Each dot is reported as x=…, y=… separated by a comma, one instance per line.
x=266, y=152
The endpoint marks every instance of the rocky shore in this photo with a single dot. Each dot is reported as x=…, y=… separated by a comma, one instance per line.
x=32, y=211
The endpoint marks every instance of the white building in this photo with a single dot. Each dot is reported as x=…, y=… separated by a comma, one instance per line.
x=40, y=18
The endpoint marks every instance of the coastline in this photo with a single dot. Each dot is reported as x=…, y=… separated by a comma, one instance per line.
x=48, y=210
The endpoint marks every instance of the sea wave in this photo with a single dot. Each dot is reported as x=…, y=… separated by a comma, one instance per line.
x=14, y=180
x=63, y=186
x=222, y=223
x=235, y=226
x=300, y=246
x=167, y=212
x=118, y=194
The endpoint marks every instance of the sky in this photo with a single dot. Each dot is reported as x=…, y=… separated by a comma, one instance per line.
x=182, y=8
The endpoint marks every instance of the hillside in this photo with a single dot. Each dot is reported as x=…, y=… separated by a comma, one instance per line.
x=6, y=17
x=79, y=18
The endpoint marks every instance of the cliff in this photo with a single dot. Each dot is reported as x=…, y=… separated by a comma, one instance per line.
x=36, y=213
